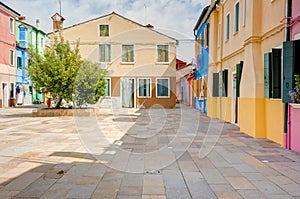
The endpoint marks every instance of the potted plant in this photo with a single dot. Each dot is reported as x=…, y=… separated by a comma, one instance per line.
x=294, y=117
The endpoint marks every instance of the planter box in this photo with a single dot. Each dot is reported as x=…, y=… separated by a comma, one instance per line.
x=293, y=137
x=64, y=112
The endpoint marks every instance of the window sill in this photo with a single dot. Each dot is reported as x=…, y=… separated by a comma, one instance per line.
x=234, y=34
x=162, y=63
x=127, y=63
x=145, y=97
x=163, y=97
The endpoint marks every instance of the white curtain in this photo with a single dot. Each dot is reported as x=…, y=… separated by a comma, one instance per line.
x=127, y=91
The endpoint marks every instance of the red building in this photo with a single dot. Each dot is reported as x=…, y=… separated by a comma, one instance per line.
x=7, y=55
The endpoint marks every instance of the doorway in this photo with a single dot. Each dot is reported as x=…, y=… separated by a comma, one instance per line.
x=5, y=94
x=128, y=92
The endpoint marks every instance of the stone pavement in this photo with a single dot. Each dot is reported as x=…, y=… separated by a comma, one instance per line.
x=127, y=153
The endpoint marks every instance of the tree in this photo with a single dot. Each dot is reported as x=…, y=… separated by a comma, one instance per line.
x=55, y=71
x=89, y=85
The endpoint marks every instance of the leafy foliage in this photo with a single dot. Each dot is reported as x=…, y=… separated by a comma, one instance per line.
x=295, y=93
x=56, y=72
x=90, y=84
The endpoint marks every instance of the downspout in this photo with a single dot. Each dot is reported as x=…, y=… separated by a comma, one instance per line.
x=288, y=38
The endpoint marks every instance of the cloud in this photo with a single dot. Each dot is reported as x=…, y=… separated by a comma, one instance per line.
x=177, y=17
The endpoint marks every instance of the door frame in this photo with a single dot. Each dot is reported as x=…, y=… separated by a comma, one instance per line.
x=234, y=99
x=4, y=99
x=134, y=91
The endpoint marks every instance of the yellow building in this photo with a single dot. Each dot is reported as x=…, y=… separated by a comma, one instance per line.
x=140, y=62
x=244, y=82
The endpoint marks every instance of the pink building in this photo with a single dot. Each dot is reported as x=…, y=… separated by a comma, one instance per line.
x=7, y=55
x=295, y=22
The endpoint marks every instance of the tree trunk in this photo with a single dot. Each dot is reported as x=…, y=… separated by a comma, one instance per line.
x=58, y=102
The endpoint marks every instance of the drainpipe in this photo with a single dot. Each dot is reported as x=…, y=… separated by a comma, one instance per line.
x=288, y=38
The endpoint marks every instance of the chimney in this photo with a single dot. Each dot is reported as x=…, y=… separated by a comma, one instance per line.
x=149, y=26
x=22, y=18
x=57, y=22
x=37, y=24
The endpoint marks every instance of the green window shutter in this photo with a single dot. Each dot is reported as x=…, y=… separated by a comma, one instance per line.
x=276, y=73
x=288, y=64
x=215, y=84
x=220, y=84
x=267, y=75
x=239, y=70
x=225, y=83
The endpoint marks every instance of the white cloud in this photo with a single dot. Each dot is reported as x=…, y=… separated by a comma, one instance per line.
x=176, y=17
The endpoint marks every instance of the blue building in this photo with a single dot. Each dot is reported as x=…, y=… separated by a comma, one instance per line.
x=201, y=33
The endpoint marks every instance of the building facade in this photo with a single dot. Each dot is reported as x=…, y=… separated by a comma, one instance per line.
x=244, y=79
x=27, y=36
x=140, y=62
x=7, y=55
x=201, y=33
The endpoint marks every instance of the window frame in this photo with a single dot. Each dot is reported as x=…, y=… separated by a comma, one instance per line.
x=133, y=50
x=11, y=25
x=108, y=78
x=156, y=80
x=150, y=85
x=99, y=30
x=21, y=63
x=219, y=35
x=99, y=53
x=236, y=22
x=11, y=57
x=168, y=61
x=227, y=29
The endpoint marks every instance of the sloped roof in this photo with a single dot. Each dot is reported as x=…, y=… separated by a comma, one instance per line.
x=118, y=15
x=10, y=9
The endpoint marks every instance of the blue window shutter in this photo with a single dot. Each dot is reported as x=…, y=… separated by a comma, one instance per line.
x=267, y=75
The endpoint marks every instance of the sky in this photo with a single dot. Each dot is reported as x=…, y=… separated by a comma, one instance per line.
x=175, y=18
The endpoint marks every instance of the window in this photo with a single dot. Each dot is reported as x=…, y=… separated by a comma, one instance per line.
x=12, y=90
x=219, y=35
x=272, y=74
x=245, y=11
x=162, y=53
x=215, y=85
x=127, y=53
x=11, y=57
x=11, y=25
x=108, y=87
x=104, y=53
x=144, y=87
x=42, y=42
x=162, y=87
x=19, y=62
x=236, y=17
x=227, y=26
x=104, y=30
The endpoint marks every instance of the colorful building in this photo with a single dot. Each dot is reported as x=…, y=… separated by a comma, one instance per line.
x=140, y=62
x=244, y=75
x=291, y=67
x=27, y=36
x=201, y=33
x=7, y=55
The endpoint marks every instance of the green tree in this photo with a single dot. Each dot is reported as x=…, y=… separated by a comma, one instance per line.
x=89, y=85
x=55, y=71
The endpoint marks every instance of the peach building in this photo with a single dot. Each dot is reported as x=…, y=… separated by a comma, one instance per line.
x=245, y=64
x=140, y=62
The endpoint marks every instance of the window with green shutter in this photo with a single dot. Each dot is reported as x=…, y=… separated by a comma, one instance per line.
x=225, y=83
x=239, y=70
x=267, y=75
x=276, y=73
x=216, y=85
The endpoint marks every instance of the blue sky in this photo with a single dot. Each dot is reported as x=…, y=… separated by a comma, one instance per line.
x=173, y=17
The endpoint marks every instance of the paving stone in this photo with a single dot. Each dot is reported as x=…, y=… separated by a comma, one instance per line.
x=213, y=176
x=153, y=185
x=22, y=182
x=175, y=185
x=225, y=191
x=153, y=197
x=240, y=183
x=251, y=194
x=268, y=188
